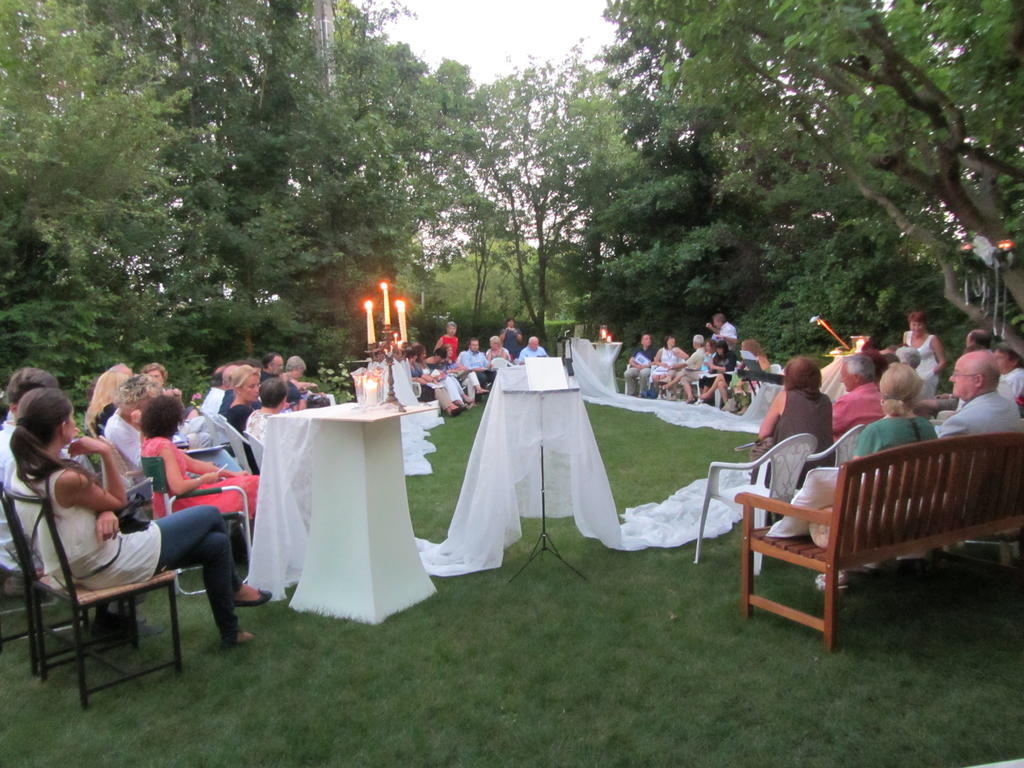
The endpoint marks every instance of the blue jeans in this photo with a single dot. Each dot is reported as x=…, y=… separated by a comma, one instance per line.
x=199, y=536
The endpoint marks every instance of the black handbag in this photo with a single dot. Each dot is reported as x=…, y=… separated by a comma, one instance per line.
x=132, y=518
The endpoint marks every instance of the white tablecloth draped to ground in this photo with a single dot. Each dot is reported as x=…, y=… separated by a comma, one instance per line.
x=282, y=525
x=591, y=375
x=503, y=477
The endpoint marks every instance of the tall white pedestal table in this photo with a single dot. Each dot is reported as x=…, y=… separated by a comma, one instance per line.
x=361, y=562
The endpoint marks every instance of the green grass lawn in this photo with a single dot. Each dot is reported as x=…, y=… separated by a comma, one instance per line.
x=647, y=662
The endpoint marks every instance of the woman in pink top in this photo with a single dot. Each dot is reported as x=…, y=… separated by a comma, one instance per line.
x=160, y=420
x=450, y=340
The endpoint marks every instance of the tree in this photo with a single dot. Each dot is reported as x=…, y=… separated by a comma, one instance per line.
x=918, y=104
x=542, y=129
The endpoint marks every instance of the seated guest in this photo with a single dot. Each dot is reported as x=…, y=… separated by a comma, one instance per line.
x=898, y=390
x=229, y=396
x=638, y=369
x=273, y=396
x=99, y=555
x=1011, y=374
x=908, y=356
x=497, y=352
x=668, y=361
x=689, y=374
x=272, y=366
x=160, y=421
x=294, y=370
x=862, y=402
x=474, y=364
x=245, y=383
x=431, y=384
x=532, y=349
x=123, y=427
x=800, y=407
x=720, y=369
x=22, y=381
x=439, y=365
x=218, y=388
x=978, y=339
x=101, y=405
x=751, y=352
x=975, y=381
x=159, y=374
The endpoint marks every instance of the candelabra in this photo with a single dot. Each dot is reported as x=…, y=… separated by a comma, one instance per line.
x=385, y=353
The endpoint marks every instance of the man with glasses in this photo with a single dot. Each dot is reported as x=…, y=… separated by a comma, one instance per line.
x=975, y=379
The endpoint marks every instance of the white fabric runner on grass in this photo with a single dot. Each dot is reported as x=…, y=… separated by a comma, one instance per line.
x=593, y=379
x=676, y=520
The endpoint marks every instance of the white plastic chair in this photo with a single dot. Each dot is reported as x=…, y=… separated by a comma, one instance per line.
x=843, y=448
x=257, y=448
x=235, y=440
x=500, y=362
x=786, y=460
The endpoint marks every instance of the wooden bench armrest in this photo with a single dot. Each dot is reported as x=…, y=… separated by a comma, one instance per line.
x=750, y=501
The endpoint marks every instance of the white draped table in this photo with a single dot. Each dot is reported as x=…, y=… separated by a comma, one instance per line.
x=337, y=520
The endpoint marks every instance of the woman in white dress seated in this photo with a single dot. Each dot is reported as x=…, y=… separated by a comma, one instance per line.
x=668, y=361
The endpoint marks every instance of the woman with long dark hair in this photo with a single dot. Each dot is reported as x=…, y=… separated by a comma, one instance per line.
x=99, y=554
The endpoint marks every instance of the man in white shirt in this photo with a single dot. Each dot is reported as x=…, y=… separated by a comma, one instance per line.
x=975, y=379
x=218, y=388
x=532, y=349
x=1011, y=378
x=474, y=361
x=722, y=329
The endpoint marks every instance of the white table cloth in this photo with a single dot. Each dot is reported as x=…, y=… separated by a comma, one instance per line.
x=281, y=534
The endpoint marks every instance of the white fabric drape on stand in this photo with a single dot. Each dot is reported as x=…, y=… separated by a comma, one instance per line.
x=503, y=482
x=591, y=374
x=281, y=534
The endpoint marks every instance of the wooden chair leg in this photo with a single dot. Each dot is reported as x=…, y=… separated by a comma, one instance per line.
x=831, y=603
x=746, y=564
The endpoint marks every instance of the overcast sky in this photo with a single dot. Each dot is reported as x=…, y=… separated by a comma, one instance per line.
x=494, y=37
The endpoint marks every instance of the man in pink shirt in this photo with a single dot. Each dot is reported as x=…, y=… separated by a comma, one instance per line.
x=862, y=403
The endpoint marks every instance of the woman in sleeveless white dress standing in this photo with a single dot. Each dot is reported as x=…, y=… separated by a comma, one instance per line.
x=933, y=356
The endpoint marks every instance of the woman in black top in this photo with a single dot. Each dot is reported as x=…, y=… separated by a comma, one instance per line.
x=720, y=367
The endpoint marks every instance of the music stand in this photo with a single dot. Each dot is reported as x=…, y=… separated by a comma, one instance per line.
x=544, y=378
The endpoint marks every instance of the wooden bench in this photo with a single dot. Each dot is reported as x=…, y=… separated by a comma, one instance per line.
x=891, y=503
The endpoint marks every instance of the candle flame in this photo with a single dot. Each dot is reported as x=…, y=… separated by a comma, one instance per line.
x=368, y=305
x=384, y=286
x=399, y=304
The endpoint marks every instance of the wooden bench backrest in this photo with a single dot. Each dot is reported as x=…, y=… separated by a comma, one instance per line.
x=926, y=492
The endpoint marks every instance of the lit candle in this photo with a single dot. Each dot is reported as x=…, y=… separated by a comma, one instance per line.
x=403, y=333
x=387, y=306
x=370, y=391
x=371, y=337
x=608, y=338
